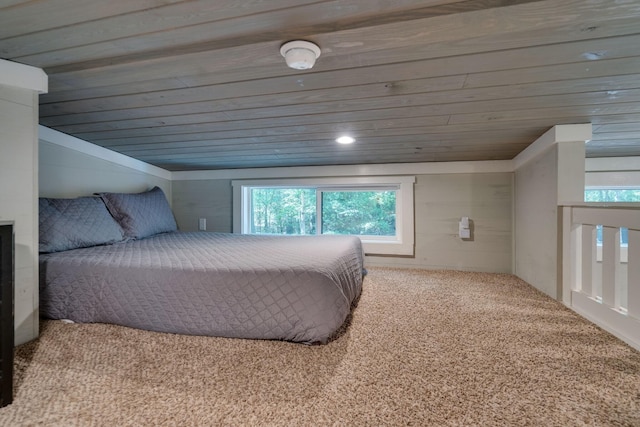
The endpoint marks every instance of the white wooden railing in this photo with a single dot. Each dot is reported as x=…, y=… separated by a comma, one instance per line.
x=602, y=281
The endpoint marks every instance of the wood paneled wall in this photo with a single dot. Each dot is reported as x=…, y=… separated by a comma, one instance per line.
x=66, y=173
x=440, y=201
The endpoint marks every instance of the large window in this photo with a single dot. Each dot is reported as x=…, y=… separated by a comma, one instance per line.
x=379, y=210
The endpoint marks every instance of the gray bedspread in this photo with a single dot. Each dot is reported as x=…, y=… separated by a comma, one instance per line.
x=265, y=287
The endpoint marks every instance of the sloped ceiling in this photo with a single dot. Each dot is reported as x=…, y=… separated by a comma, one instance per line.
x=201, y=84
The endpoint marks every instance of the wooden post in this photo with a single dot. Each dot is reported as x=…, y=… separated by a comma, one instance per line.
x=609, y=262
x=633, y=280
x=588, y=258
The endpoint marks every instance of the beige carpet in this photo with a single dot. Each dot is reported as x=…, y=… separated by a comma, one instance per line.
x=423, y=348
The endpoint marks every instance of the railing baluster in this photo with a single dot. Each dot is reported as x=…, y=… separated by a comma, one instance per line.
x=633, y=274
x=621, y=277
x=609, y=261
x=588, y=258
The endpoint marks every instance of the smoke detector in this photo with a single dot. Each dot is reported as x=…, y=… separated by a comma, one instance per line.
x=299, y=54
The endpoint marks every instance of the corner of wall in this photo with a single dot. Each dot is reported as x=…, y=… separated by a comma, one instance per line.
x=548, y=174
x=19, y=88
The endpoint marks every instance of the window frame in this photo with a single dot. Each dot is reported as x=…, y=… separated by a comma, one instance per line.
x=402, y=244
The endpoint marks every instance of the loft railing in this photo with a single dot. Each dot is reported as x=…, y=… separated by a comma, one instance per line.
x=601, y=273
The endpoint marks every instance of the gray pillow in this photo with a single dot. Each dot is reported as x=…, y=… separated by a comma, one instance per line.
x=141, y=214
x=75, y=223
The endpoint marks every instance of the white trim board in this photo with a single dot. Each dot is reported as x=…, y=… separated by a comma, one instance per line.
x=613, y=164
x=82, y=146
x=23, y=76
x=491, y=166
x=630, y=179
x=555, y=135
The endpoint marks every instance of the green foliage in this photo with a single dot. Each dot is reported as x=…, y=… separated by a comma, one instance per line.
x=368, y=213
x=293, y=211
x=612, y=195
x=283, y=211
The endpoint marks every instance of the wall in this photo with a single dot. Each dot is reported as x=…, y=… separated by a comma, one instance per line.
x=18, y=192
x=536, y=213
x=67, y=173
x=613, y=172
x=70, y=167
x=550, y=173
x=440, y=200
x=211, y=199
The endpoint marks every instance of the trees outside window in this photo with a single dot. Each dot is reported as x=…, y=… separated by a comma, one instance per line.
x=283, y=211
x=363, y=213
x=614, y=195
x=295, y=211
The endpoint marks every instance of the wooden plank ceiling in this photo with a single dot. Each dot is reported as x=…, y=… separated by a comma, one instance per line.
x=200, y=84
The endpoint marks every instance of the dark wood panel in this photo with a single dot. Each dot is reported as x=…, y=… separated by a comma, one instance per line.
x=329, y=160
x=419, y=104
x=119, y=34
x=370, y=136
x=313, y=146
x=325, y=84
x=587, y=112
x=382, y=95
x=199, y=84
x=394, y=43
x=235, y=95
x=436, y=127
x=479, y=70
x=33, y=16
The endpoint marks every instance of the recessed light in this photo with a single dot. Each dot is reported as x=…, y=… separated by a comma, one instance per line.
x=345, y=140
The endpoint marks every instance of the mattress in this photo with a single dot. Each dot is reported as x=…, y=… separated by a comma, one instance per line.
x=294, y=288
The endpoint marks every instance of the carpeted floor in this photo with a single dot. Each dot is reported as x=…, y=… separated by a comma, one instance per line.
x=423, y=348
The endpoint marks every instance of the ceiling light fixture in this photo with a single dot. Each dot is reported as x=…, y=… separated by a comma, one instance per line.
x=300, y=55
x=345, y=140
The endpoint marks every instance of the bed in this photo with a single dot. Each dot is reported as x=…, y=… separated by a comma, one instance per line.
x=298, y=289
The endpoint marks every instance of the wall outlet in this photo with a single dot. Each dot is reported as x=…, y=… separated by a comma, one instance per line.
x=464, y=228
x=202, y=224
x=464, y=233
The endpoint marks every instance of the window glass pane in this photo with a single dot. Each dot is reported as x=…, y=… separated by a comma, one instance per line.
x=624, y=235
x=612, y=195
x=283, y=211
x=363, y=213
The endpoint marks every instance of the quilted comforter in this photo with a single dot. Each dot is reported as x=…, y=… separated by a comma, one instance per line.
x=263, y=287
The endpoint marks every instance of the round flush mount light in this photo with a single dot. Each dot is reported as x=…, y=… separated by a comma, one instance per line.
x=299, y=54
x=345, y=140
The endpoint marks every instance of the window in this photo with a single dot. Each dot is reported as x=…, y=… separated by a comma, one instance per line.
x=360, y=212
x=281, y=210
x=377, y=209
x=612, y=195
x=615, y=195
